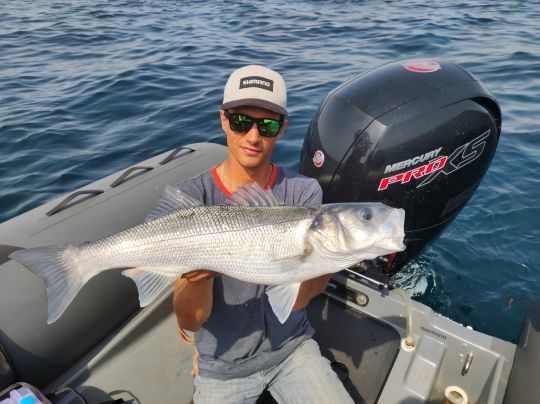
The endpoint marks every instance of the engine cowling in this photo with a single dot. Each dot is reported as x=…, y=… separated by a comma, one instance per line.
x=416, y=134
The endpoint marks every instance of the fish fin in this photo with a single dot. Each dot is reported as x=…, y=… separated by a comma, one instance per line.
x=282, y=299
x=172, y=199
x=305, y=252
x=60, y=271
x=252, y=195
x=150, y=281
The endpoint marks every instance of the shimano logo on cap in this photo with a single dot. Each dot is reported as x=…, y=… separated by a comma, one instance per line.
x=255, y=81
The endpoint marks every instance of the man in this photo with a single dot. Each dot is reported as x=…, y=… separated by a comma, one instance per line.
x=243, y=348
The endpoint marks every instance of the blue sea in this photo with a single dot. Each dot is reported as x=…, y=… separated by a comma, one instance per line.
x=88, y=88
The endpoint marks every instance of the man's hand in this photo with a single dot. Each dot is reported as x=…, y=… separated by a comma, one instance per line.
x=192, y=299
x=309, y=289
x=199, y=275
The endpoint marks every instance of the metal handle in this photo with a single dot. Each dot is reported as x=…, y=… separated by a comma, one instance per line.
x=467, y=364
x=64, y=204
x=174, y=153
x=123, y=178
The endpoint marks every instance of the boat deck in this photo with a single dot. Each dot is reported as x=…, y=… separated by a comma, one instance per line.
x=147, y=361
x=366, y=346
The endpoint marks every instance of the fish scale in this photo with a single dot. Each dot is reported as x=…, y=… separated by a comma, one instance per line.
x=186, y=238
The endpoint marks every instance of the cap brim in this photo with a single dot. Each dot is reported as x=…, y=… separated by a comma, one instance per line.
x=254, y=102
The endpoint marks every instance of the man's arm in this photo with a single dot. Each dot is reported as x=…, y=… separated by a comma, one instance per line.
x=309, y=289
x=192, y=299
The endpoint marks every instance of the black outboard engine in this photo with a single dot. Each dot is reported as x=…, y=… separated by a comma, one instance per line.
x=417, y=134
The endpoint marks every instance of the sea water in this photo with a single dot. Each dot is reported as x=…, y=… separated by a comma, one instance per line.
x=89, y=88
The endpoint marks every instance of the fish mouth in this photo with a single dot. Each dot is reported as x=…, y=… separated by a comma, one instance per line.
x=394, y=244
x=399, y=215
x=393, y=230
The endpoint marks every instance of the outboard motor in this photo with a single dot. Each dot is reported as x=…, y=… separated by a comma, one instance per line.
x=417, y=135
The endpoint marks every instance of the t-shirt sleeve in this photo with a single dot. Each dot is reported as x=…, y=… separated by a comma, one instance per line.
x=312, y=195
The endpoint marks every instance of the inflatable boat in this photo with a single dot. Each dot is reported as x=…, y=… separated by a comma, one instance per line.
x=415, y=134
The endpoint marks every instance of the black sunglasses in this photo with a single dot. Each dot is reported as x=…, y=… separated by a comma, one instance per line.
x=242, y=123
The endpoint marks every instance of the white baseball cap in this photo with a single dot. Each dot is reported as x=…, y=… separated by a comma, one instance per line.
x=257, y=86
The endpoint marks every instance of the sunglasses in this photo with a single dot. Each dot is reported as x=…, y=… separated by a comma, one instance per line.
x=242, y=123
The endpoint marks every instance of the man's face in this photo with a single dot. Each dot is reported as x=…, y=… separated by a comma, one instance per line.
x=251, y=150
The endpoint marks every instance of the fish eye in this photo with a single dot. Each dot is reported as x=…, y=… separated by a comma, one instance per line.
x=366, y=214
x=316, y=224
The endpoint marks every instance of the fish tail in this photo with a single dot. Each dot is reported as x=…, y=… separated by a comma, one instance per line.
x=58, y=267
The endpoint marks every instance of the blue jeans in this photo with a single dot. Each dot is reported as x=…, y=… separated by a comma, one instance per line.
x=304, y=377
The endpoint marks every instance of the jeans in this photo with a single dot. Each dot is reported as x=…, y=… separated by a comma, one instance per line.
x=304, y=377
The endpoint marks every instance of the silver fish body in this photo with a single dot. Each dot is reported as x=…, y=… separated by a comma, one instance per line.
x=247, y=243
x=269, y=245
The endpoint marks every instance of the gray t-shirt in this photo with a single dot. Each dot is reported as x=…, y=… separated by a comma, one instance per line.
x=242, y=335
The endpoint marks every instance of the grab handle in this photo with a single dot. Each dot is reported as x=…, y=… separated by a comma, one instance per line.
x=174, y=153
x=64, y=204
x=124, y=177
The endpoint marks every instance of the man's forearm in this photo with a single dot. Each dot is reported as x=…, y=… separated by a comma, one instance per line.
x=309, y=289
x=192, y=302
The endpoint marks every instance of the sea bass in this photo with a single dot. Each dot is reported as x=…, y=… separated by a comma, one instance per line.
x=251, y=238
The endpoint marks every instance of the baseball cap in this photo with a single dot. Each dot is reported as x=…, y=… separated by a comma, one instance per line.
x=257, y=86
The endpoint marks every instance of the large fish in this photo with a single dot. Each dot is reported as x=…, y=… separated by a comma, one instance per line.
x=251, y=238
